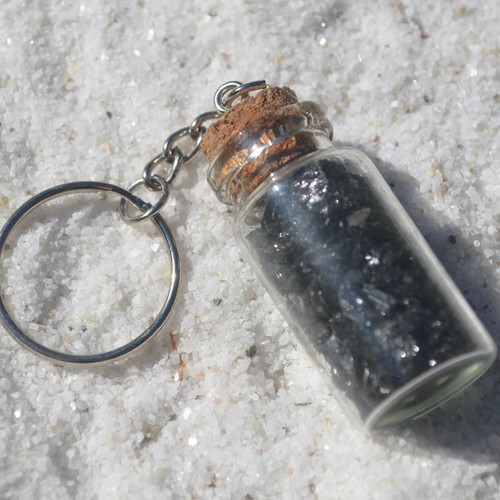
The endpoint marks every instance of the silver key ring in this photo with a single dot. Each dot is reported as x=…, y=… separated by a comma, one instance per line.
x=122, y=351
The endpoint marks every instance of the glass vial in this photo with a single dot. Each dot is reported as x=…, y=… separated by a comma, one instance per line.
x=349, y=270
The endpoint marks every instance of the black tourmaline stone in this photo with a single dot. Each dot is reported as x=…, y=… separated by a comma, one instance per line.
x=350, y=281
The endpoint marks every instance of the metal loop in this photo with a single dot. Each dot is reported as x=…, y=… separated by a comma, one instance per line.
x=149, y=210
x=63, y=358
x=197, y=123
x=176, y=162
x=169, y=145
x=242, y=90
x=147, y=173
x=221, y=92
x=197, y=136
x=230, y=91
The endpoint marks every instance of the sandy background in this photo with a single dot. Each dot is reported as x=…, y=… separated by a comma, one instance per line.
x=231, y=408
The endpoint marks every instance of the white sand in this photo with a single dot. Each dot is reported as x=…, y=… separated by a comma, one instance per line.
x=90, y=91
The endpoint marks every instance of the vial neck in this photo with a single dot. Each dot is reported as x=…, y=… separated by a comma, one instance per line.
x=265, y=147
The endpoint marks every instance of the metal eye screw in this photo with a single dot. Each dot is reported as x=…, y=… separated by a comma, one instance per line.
x=230, y=91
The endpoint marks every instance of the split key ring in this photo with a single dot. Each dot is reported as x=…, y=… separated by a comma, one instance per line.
x=151, y=331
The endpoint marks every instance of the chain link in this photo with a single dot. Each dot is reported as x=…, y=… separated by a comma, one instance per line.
x=173, y=155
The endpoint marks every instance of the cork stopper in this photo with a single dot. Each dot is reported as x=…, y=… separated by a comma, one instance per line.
x=240, y=116
x=257, y=137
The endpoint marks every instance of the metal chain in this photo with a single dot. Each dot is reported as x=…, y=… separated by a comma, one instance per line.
x=172, y=153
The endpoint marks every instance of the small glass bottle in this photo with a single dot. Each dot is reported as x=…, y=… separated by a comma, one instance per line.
x=347, y=267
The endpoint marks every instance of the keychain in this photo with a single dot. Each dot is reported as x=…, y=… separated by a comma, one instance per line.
x=345, y=264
